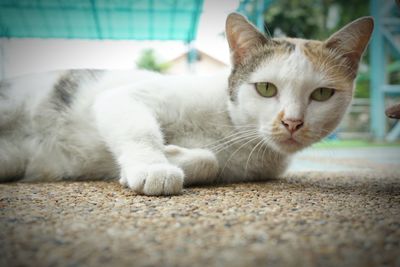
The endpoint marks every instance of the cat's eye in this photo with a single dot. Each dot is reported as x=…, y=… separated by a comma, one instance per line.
x=266, y=89
x=322, y=94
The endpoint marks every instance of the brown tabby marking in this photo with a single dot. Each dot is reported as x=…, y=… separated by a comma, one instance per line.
x=340, y=73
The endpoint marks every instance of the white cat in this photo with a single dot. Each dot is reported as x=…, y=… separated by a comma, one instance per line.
x=156, y=133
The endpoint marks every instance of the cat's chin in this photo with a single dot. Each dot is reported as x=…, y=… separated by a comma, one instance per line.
x=287, y=146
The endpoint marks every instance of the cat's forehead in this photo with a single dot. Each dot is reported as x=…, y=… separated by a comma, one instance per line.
x=302, y=50
x=276, y=49
x=307, y=59
x=285, y=62
x=288, y=70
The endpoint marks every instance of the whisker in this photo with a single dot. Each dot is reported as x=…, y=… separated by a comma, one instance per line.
x=264, y=150
x=226, y=146
x=226, y=163
x=234, y=126
x=228, y=139
x=251, y=152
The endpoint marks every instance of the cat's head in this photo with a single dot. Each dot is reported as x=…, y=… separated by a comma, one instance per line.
x=293, y=91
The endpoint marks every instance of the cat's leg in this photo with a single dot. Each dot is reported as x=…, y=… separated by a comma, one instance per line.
x=133, y=135
x=199, y=165
x=12, y=159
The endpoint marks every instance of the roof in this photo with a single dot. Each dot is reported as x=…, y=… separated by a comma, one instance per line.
x=101, y=19
x=198, y=51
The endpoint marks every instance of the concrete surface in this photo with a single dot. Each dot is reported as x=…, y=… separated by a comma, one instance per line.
x=364, y=159
x=346, y=215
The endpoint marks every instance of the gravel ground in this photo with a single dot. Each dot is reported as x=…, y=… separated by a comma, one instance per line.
x=347, y=218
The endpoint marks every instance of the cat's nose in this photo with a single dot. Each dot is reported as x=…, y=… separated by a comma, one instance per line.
x=292, y=125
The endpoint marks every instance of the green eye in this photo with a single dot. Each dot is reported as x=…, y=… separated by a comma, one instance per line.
x=266, y=89
x=322, y=94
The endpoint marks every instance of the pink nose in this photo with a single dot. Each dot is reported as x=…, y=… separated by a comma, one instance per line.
x=292, y=125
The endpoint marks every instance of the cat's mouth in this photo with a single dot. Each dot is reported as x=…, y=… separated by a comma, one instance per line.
x=290, y=144
x=285, y=142
x=291, y=141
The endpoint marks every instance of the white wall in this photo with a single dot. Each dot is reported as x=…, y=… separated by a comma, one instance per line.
x=22, y=56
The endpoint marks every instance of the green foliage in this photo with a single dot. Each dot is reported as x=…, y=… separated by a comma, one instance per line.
x=350, y=10
x=149, y=61
x=294, y=17
x=394, y=72
x=309, y=18
x=363, y=79
x=362, y=88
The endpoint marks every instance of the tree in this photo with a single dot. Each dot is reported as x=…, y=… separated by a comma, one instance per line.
x=294, y=18
x=310, y=19
x=148, y=61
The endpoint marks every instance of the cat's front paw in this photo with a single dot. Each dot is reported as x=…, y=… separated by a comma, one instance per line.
x=153, y=179
x=199, y=165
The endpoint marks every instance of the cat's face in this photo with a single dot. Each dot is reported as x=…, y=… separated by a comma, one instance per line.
x=293, y=92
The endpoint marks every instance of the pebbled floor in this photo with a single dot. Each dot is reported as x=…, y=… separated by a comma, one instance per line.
x=307, y=218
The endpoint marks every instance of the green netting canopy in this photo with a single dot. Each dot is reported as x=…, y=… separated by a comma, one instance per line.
x=100, y=19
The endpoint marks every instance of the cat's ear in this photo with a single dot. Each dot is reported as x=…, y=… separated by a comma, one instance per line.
x=352, y=39
x=242, y=37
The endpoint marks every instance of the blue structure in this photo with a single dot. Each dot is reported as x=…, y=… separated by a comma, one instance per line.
x=98, y=19
x=254, y=11
x=385, y=44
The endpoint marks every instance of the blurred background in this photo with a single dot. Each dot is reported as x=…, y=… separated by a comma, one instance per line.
x=187, y=36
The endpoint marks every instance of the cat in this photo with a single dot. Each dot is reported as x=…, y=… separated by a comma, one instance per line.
x=157, y=133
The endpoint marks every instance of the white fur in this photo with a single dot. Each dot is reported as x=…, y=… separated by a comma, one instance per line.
x=296, y=79
x=155, y=133
x=121, y=127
